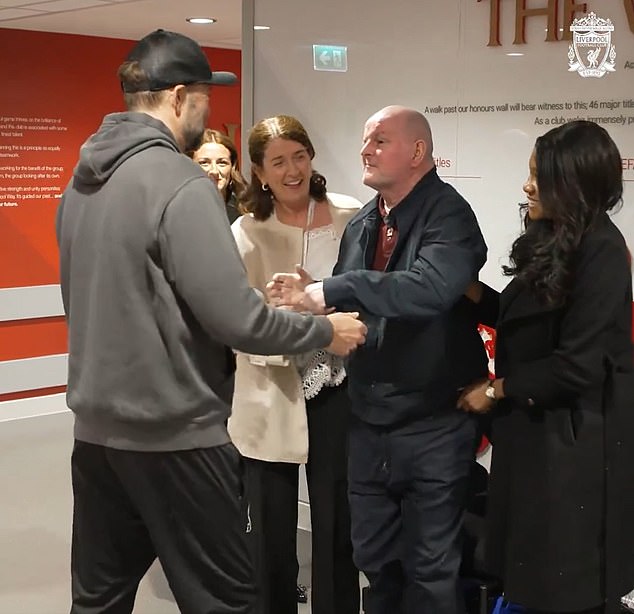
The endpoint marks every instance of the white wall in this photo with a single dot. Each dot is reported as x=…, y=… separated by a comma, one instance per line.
x=424, y=54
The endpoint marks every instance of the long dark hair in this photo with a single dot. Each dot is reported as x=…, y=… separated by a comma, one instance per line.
x=257, y=200
x=579, y=177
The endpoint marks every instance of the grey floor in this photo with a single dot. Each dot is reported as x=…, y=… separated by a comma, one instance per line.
x=35, y=523
x=303, y=556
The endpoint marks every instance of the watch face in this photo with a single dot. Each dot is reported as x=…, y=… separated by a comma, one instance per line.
x=490, y=392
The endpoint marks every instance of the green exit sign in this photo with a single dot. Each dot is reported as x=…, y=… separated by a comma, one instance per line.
x=330, y=57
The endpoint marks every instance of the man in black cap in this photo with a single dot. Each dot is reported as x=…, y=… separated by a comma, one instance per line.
x=156, y=296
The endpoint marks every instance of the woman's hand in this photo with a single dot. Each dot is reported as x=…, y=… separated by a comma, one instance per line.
x=474, y=399
x=474, y=291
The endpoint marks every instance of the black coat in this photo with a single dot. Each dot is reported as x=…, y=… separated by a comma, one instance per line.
x=231, y=207
x=423, y=344
x=561, y=497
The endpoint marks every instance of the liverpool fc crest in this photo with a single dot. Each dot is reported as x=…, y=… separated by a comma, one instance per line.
x=591, y=53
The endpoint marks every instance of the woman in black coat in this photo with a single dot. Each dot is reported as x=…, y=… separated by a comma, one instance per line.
x=561, y=497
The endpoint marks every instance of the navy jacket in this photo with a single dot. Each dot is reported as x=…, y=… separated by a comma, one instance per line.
x=423, y=344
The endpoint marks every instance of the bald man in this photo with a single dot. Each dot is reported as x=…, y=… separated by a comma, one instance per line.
x=405, y=261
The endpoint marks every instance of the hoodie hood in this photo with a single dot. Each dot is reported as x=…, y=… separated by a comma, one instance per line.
x=120, y=136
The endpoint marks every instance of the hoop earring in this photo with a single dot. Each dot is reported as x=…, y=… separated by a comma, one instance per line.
x=265, y=187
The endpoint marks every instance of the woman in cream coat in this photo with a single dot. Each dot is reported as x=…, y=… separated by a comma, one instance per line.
x=293, y=410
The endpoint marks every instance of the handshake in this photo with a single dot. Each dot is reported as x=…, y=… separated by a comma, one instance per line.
x=298, y=292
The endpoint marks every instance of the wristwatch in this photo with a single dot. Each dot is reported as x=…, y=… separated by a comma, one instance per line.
x=490, y=391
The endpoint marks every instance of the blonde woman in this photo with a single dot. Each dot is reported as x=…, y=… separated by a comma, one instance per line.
x=218, y=157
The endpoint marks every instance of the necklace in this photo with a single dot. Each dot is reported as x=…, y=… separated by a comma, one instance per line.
x=306, y=238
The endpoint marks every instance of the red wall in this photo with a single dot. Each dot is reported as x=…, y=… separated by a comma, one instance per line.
x=70, y=79
x=55, y=90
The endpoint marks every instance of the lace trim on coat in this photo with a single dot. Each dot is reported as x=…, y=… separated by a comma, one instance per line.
x=319, y=369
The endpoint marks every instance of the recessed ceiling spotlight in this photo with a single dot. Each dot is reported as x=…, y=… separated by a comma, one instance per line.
x=201, y=20
x=515, y=54
x=261, y=27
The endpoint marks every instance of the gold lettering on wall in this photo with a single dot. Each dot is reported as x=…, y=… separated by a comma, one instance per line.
x=494, y=24
x=571, y=8
x=522, y=13
x=629, y=11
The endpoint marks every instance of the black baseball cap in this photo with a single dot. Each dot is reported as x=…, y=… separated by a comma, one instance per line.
x=170, y=59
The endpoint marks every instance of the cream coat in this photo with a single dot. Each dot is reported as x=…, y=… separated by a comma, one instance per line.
x=268, y=420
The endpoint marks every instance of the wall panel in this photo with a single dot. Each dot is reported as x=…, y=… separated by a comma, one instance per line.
x=57, y=88
x=435, y=56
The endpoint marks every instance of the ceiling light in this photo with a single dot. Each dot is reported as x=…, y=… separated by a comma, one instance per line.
x=261, y=27
x=514, y=54
x=201, y=20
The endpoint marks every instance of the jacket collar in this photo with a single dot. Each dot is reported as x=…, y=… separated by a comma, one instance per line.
x=407, y=210
x=517, y=302
x=403, y=216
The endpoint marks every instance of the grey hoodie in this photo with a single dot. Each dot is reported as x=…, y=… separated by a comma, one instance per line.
x=155, y=295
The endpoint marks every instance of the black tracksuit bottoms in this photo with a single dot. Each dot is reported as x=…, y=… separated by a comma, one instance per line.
x=184, y=507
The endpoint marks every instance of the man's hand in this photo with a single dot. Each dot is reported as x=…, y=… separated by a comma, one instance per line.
x=296, y=291
x=349, y=332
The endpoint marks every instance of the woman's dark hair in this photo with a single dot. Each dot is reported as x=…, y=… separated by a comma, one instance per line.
x=258, y=201
x=579, y=177
x=237, y=185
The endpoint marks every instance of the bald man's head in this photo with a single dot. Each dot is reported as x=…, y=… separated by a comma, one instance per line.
x=397, y=150
x=412, y=122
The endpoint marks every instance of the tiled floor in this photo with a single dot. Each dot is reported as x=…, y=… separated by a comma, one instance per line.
x=303, y=556
x=35, y=523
